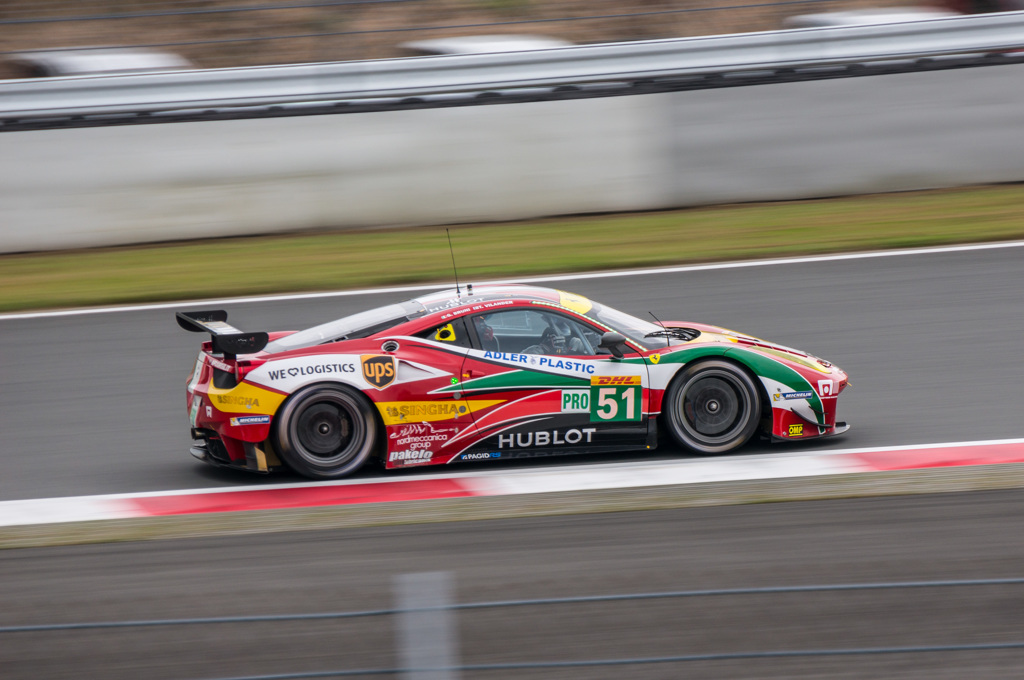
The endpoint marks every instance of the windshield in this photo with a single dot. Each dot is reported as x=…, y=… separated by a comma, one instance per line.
x=633, y=328
x=361, y=325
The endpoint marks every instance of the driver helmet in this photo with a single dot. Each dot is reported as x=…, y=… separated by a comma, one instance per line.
x=553, y=338
x=485, y=332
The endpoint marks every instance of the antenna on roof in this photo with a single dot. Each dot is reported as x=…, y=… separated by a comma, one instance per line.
x=458, y=293
x=656, y=318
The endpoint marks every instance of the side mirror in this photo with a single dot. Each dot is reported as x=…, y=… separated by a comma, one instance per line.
x=614, y=343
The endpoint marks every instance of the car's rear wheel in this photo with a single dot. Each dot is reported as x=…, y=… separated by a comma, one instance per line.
x=712, y=407
x=325, y=432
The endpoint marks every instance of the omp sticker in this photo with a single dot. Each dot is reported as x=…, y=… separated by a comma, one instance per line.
x=245, y=398
x=400, y=412
x=796, y=430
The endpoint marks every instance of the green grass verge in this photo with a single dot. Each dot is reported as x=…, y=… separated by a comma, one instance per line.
x=348, y=259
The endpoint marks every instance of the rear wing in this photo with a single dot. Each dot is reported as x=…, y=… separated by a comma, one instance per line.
x=226, y=339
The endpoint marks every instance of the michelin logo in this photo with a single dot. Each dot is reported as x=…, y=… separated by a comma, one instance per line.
x=793, y=395
x=250, y=420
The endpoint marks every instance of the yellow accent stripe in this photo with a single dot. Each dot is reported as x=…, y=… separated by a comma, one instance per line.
x=399, y=412
x=246, y=398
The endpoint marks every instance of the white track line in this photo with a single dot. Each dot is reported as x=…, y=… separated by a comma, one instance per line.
x=479, y=470
x=484, y=483
x=938, y=250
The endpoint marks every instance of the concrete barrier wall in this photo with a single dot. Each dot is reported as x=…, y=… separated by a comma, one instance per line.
x=849, y=136
x=116, y=185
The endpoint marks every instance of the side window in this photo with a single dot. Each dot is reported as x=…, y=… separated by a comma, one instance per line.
x=532, y=331
x=489, y=328
x=452, y=333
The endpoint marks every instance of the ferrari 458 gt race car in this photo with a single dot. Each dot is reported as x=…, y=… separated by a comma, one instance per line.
x=492, y=373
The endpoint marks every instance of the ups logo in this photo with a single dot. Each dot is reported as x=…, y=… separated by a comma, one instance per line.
x=378, y=371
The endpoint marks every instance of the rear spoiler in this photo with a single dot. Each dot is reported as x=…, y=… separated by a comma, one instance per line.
x=226, y=338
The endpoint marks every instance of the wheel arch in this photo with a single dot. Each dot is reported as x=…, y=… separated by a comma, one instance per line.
x=279, y=429
x=762, y=390
x=727, y=355
x=767, y=368
x=744, y=424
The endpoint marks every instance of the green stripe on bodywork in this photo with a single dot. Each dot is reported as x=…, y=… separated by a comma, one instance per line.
x=772, y=369
x=761, y=365
x=685, y=356
x=518, y=380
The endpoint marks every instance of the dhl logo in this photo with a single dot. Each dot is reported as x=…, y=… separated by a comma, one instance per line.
x=615, y=380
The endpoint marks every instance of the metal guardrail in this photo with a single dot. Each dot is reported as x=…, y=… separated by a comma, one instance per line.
x=360, y=80
x=423, y=605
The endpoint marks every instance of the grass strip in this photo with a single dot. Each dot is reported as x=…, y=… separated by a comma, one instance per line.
x=363, y=258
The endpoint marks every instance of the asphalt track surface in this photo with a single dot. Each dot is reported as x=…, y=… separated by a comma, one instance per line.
x=94, y=404
x=871, y=540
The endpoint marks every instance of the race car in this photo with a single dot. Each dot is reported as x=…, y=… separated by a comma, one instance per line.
x=492, y=373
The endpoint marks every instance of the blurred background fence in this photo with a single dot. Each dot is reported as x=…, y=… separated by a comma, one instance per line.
x=226, y=33
x=662, y=628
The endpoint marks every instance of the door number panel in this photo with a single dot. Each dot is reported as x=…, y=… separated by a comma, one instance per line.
x=615, y=398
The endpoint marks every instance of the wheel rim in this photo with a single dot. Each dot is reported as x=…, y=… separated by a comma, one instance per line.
x=328, y=432
x=715, y=407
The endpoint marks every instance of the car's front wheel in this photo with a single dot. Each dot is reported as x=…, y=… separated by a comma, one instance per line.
x=712, y=407
x=325, y=432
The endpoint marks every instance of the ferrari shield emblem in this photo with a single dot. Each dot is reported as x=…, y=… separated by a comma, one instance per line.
x=378, y=371
x=655, y=358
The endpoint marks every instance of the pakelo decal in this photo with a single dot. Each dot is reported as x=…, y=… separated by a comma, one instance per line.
x=379, y=371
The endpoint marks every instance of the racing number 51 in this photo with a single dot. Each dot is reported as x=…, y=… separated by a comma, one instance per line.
x=615, y=398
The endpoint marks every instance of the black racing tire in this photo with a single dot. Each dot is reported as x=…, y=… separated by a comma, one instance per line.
x=712, y=407
x=325, y=431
